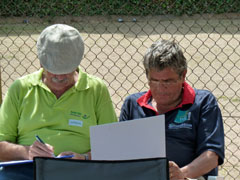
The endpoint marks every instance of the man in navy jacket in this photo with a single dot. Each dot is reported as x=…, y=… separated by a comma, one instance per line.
x=194, y=126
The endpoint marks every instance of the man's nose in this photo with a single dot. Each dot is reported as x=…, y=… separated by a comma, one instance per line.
x=162, y=86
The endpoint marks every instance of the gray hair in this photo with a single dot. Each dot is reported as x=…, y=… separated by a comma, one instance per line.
x=163, y=54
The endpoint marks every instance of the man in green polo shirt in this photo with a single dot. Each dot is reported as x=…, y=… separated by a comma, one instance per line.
x=59, y=102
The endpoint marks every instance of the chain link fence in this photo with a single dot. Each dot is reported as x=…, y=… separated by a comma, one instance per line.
x=114, y=49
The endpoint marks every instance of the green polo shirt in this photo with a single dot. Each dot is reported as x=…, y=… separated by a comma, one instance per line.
x=30, y=108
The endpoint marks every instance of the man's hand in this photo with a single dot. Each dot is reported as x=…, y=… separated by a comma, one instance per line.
x=40, y=149
x=175, y=172
x=198, y=167
x=86, y=156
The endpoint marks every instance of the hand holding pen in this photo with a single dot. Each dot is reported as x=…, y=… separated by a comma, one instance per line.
x=64, y=156
x=39, y=148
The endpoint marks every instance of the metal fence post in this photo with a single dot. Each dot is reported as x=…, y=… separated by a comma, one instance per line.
x=0, y=87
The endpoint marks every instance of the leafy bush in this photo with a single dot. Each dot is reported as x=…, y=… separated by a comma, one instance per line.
x=42, y=8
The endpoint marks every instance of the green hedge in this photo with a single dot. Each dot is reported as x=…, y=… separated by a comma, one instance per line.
x=42, y=8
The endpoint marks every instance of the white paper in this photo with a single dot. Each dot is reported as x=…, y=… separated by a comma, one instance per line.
x=17, y=162
x=10, y=163
x=135, y=139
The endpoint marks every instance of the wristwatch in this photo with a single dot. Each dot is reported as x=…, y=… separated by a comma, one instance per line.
x=86, y=156
x=200, y=178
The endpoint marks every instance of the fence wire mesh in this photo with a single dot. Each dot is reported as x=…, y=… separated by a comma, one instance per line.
x=114, y=49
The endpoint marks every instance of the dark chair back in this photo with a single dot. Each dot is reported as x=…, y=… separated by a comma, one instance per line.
x=67, y=169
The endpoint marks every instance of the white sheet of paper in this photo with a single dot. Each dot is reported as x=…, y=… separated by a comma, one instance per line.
x=135, y=139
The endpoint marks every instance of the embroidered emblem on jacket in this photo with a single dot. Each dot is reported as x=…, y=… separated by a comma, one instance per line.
x=180, y=121
x=79, y=114
x=182, y=116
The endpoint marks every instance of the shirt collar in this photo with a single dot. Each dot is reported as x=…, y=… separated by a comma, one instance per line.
x=188, y=97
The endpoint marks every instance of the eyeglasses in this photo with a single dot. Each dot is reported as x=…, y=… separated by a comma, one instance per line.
x=166, y=83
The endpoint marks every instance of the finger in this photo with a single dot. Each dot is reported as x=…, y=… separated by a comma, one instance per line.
x=172, y=164
x=40, y=149
x=44, y=147
x=66, y=153
x=173, y=177
x=76, y=155
x=33, y=152
x=172, y=169
x=80, y=156
x=50, y=147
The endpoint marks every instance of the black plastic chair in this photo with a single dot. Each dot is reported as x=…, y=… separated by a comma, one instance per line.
x=68, y=169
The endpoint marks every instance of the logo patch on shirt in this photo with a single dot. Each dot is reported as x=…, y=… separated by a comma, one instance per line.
x=79, y=114
x=182, y=116
x=73, y=122
x=180, y=121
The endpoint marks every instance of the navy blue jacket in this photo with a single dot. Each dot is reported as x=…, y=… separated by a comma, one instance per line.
x=191, y=128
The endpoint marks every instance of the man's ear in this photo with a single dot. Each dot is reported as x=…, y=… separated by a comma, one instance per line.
x=184, y=74
x=146, y=73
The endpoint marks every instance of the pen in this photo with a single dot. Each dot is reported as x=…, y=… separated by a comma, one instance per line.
x=39, y=139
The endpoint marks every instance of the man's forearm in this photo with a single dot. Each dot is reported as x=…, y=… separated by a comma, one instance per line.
x=201, y=165
x=10, y=151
